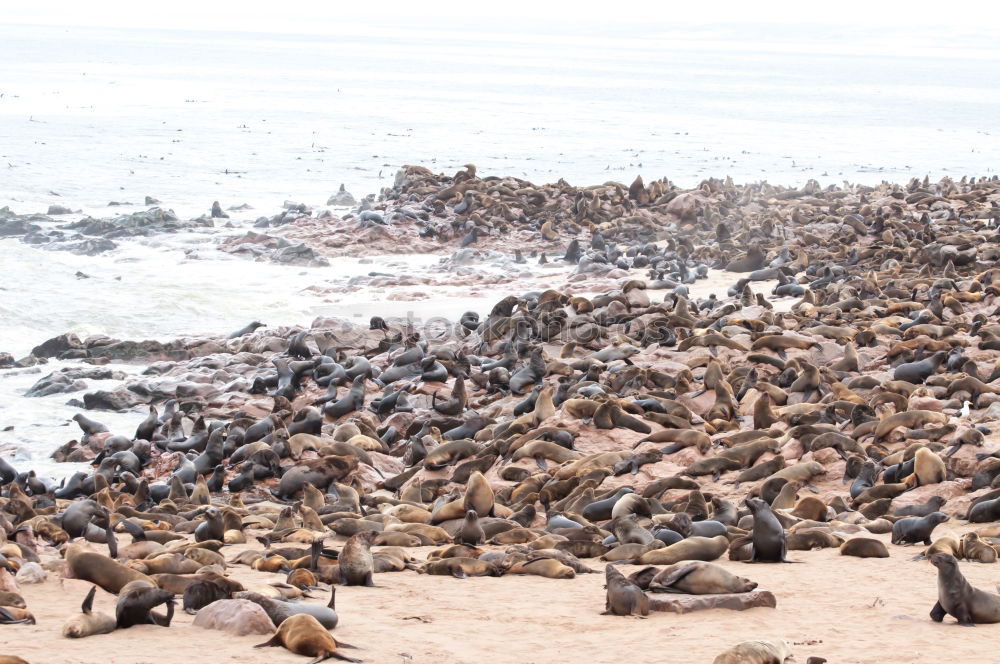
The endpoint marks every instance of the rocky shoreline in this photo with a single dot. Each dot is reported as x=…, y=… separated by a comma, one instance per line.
x=613, y=415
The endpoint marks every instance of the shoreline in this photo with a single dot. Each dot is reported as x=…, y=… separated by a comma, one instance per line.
x=842, y=287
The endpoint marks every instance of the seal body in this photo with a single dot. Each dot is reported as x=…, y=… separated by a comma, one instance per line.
x=356, y=562
x=957, y=597
x=916, y=529
x=623, y=597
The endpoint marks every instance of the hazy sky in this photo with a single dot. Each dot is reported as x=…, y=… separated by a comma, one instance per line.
x=533, y=16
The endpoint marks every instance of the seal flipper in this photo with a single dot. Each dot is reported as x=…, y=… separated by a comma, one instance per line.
x=88, y=601
x=275, y=641
x=540, y=461
x=109, y=533
x=671, y=449
x=674, y=577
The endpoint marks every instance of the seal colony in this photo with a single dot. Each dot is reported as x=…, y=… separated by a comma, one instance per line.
x=662, y=436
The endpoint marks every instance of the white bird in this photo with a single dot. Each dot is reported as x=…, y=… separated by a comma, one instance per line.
x=965, y=409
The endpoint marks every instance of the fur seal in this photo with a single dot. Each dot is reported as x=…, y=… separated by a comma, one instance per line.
x=303, y=635
x=109, y=574
x=958, y=598
x=974, y=548
x=623, y=597
x=916, y=529
x=768, y=535
x=864, y=547
x=135, y=608
x=696, y=577
x=356, y=562
x=755, y=652
x=88, y=623
x=471, y=532
x=692, y=548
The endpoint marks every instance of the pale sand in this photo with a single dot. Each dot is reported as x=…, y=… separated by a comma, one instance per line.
x=841, y=608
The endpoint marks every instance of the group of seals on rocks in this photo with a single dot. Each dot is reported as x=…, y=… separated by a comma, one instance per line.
x=647, y=429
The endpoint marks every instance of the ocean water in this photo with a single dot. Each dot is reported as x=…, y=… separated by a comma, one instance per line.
x=90, y=115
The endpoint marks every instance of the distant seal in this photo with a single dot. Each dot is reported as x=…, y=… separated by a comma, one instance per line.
x=623, y=597
x=864, y=547
x=768, y=535
x=916, y=529
x=933, y=504
x=250, y=327
x=692, y=548
x=699, y=578
x=471, y=532
x=202, y=593
x=212, y=528
x=88, y=623
x=755, y=652
x=918, y=372
x=957, y=597
x=974, y=548
x=462, y=567
x=356, y=562
x=304, y=635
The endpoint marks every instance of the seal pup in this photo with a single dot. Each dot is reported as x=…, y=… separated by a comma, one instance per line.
x=303, y=635
x=768, y=535
x=755, y=652
x=357, y=565
x=88, y=623
x=623, y=596
x=958, y=598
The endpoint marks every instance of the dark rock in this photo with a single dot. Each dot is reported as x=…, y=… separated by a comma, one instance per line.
x=6, y=360
x=59, y=209
x=117, y=400
x=56, y=345
x=55, y=383
x=17, y=226
x=29, y=361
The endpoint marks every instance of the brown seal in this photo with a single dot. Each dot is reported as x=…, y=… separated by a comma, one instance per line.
x=755, y=652
x=88, y=623
x=471, y=532
x=699, y=578
x=692, y=548
x=461, y=568
x=623, y=597
x=547, y=567
x=355, y=560
x=958, y=598
x=974, y=548
x=304, y=635
x=96, y=568
x=864, y=547
x=928, y=467
x=479, y=495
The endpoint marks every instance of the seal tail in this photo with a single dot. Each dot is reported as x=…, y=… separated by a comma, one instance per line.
x=275, y=641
